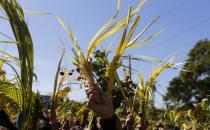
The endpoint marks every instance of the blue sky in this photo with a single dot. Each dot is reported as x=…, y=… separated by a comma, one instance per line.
x=185, y=21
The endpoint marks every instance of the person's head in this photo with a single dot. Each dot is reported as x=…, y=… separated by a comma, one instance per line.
x=5, y=121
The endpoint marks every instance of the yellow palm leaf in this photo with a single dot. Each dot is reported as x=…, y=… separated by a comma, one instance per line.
x=62, y=93
x=70, y=34
x=2, y=61
x=142, y=32
x=112, y=29
x=92, y=44
x=146, y=39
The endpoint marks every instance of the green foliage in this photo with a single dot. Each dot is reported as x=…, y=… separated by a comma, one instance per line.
x=198, y=117
x=99, y=64
x=193, y=85
x=172, y=117
x=99, y=68
x=38, y=109
x=121, y=112
x=72, y=110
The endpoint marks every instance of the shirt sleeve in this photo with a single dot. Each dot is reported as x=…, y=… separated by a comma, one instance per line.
x=109, y=124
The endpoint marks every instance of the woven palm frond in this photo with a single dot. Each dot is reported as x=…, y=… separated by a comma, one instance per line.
x=11, y=91
x=8, y=104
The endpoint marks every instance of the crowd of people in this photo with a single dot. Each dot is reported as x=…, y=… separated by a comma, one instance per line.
x=98, y=101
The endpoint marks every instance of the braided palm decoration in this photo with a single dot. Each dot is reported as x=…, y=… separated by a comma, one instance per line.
x=11, y=91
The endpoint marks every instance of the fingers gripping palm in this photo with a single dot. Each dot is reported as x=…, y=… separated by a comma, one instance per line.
x=100, y=102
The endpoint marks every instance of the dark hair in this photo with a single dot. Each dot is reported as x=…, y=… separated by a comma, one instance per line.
x=47, y=127
x=5, y=121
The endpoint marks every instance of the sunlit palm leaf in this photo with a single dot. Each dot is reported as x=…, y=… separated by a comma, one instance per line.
x=146, y=88
x=10, y=42
x=8, y=55
x=92, y=44
x=35, y=12
x=2, y=61
x=150, y=58
x=71, y=35
x=63, y=93
x=113, y=29
x=141, y=33
x=146, y=40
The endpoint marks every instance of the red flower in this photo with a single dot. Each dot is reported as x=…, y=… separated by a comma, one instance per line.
x=78, y=78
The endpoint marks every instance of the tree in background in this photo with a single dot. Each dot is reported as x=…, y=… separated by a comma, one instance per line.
x=194, y=86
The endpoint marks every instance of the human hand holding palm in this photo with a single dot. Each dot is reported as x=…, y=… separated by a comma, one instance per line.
x=100, y=102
